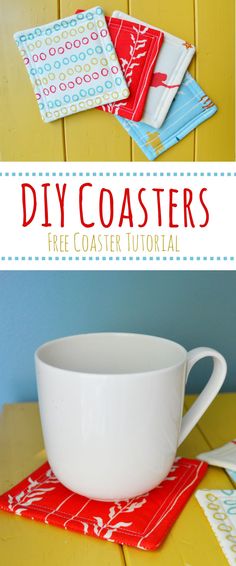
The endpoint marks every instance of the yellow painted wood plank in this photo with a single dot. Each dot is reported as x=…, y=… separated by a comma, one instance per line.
x=176, y=18
x=215, y=139
x=21, y=443
x=95, y=135
x=191, y=539
x=218, y=424
x=27, y=543
x=24, y=136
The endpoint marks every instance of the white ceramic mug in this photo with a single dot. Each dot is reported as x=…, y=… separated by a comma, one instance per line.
x=111, y=409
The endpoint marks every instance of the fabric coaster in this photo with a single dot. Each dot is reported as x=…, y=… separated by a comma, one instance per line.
x=190, y=108
x=142, y=521
x=137, y=47
x=171, y=66
x=231, y=474
x=224, y=457
x=72, y=64
x=219, y=507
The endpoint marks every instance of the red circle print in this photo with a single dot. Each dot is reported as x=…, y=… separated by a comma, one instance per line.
x=68, y=44
x=71, y=84
x=87, y=78
x=35, y=58
x=78, y=80
x=77, y=43
x=104, y=72
x=94, y=35
x=85, y=40
x=46, y=91
x=62, y=86
x=53, y=88
x=103, y=32
x=61, y=50
x=52, y=51
x=114, y=70
x=43, y=56
x=95, y=76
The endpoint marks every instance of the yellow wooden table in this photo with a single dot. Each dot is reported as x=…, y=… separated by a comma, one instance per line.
x=97, y=136
x=191, y=541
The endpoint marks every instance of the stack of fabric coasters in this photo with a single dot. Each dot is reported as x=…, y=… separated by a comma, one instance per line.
x=175, y=105
x=120, y=65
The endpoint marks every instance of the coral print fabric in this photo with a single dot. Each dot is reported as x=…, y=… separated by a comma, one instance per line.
x=170, y=68
x=190, y=108
x=142, y=521
x=137, y=47
x=219, y=507
x=72, y=64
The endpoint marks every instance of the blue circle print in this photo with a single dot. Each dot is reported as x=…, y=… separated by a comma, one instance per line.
x=109, y=47
x=89, y=16
x=108, y=84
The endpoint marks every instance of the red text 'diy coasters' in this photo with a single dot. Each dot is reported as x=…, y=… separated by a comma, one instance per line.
x=142, y=521
x=137, y=47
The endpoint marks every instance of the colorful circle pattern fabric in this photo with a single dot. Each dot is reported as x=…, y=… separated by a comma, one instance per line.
x=72, y=64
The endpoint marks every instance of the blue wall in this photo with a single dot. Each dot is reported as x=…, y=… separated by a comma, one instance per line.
x=193, y=308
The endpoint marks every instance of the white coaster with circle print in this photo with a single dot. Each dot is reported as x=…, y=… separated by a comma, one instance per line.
x=219, y=506
x=72, y=64
x=171, y=65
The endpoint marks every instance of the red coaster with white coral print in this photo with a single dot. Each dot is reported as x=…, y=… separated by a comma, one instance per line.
x=137, y=47
x=143, y=521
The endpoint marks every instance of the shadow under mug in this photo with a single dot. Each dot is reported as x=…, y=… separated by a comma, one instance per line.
x=111, y=409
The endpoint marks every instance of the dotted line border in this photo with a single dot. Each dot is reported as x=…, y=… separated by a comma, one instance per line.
x=117, y=258
x=116, y=174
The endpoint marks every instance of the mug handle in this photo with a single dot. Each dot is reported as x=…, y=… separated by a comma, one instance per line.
x=209, y=392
